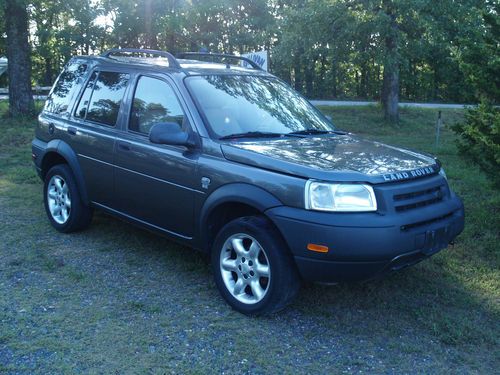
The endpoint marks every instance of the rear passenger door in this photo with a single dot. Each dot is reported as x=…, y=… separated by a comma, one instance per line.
x=156, y=183
x=93, y=129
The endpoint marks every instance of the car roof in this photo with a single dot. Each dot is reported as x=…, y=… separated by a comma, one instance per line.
x=192, y=66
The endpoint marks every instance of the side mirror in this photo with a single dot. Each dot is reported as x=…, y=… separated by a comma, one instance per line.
x=169, y=133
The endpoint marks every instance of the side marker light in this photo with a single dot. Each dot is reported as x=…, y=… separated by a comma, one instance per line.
x=317, y=248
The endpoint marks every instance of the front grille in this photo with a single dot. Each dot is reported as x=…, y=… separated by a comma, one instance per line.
x=419, y=198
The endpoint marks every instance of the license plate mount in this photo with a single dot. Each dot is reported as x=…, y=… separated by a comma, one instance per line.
x=436, y=240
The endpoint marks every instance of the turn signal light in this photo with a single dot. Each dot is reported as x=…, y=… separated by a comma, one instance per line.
x=317, y=248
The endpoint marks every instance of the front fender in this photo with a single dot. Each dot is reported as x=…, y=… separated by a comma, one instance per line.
x=249, y=195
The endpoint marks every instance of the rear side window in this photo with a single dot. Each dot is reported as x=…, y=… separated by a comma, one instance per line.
x=81, y=110
x=64, y=89
x=101, y=100
x=154, y=102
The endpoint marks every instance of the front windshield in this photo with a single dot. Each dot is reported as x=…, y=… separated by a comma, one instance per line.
x=251, y=104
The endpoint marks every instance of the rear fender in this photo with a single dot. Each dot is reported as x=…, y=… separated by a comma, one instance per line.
x=64, y=150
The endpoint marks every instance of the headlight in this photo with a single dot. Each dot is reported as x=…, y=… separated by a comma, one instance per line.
x=323, y=196
x=442, y=173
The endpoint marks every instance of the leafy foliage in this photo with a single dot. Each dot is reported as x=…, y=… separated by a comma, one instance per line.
x=325, y=48
x=480, y=138
x=480, y=133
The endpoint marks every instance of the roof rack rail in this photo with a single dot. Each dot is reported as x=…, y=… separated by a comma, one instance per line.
x=220, y=56
x=172, y=61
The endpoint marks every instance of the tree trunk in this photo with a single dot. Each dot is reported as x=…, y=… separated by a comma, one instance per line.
x=18, y=54
x=150, y=39
x=364, y=80
x=48, y=79
x=390, y=85
x=309, y=78
x=333, y=74
x=390, y=94
x=435, y=94
x=297, y=69
x=321, y=79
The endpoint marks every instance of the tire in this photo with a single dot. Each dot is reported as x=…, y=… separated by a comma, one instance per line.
x=253, y=268
x=63, y=204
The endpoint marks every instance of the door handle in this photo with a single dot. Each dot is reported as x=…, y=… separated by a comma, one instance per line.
x=71, y=130
x=124, y=146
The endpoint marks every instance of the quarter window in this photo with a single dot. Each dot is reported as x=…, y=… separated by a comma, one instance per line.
x=154, y=102
x=66, y=85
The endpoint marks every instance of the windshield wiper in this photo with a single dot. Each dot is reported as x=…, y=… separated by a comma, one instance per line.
x=253, y=134
x=309, y=132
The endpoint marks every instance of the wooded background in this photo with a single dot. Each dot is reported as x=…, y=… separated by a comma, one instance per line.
x=389, y=50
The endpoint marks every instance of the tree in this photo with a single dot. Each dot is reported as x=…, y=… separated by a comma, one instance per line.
x=18, y=53
x=314, y=47
x=232, y=26
x=152, y=24
x=390, y=86
x=370, y=49
x=480, y=60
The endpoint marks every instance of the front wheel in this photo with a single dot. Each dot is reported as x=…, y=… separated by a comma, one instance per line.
x=253, y=268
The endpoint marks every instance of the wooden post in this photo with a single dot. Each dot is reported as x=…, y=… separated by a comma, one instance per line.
x=438, y=128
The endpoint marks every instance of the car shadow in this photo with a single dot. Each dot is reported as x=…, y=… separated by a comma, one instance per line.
x=416, y=310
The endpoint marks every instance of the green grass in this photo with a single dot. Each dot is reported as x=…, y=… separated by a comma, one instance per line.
x=115, y=298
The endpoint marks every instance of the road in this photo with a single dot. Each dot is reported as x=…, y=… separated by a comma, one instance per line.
x=36, y=97
x=340, y=103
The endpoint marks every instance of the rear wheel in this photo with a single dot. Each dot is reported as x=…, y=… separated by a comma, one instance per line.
x=253, y=268
x=65, y=210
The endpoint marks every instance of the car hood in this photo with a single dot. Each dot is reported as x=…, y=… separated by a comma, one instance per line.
x=332, y=157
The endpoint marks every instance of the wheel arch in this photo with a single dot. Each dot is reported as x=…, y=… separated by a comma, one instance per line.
x=59, y=152
x=228, y=203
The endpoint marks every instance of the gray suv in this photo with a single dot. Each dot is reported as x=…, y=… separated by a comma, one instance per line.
x=229, y=160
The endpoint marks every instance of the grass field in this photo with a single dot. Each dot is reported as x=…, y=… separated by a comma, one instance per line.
x=117, y=299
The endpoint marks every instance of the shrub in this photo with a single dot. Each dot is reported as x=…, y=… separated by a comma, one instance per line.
x=480, y=138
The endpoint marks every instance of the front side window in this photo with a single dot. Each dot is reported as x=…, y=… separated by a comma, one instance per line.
x=235, y=104
x=101, y=100
x=154, y=102
x=69, y=80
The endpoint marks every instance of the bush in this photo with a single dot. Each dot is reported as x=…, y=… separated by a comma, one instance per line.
x=480, y=138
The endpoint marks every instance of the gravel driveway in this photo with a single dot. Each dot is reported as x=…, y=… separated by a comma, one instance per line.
x=116, y=298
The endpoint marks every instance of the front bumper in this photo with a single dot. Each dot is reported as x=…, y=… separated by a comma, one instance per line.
x=364, y=245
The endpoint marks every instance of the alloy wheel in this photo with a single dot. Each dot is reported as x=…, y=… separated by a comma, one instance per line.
x=59, y=200
x=245, y=268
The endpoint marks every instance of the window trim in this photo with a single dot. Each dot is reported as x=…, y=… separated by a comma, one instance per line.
x=80, y=96
x=136, y=84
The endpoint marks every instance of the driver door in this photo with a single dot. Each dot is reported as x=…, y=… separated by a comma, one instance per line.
x=156, y=183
